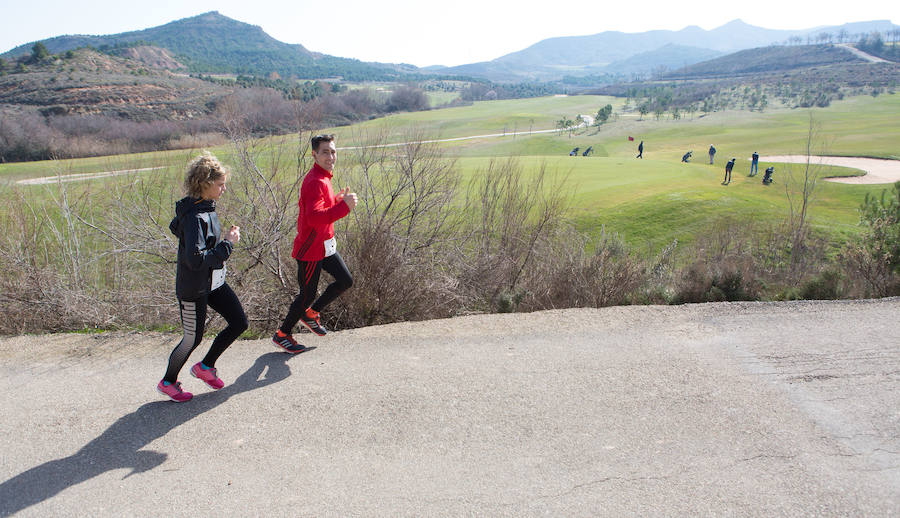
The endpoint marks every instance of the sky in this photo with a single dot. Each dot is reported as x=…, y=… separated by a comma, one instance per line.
x=426, y=33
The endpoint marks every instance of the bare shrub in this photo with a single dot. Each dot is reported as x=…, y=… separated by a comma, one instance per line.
x=868, y=271
x=30, y=136
x=572, y=276
x=363, y=102
x=510, y=213
x=408, y=99
x=400, y=238
x=800, y=187
x=723, y=268
x=197, y=141
x=392, y=284
x=255, y=111
x=25, y=136
x=50, y=272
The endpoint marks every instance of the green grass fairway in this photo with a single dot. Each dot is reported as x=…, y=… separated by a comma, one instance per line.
x=481, y=118
x=649, y=203
x=858, y=126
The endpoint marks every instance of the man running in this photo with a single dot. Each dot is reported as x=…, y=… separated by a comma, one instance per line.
x=315, y=248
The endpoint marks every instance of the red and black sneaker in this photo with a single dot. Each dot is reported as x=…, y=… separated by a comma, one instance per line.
x=287, y=343
x=311, y=320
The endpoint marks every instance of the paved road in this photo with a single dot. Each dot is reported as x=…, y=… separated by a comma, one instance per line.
x=729, y=409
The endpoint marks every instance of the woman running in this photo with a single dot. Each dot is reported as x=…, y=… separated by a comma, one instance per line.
x=200, y=276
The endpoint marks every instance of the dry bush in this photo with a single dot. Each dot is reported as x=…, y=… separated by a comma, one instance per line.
x=407, y=99
x=56, y=276
x=723, y=268
x=571, y=276
x=255, y=111
x=392, y=284
x=868, y=272
x=400, y=239
x=509, y=214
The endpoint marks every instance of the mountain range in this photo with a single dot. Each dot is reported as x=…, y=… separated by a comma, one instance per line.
x=614, y=52
x=211, y=43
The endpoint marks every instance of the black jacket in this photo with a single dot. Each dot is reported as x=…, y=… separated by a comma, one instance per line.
x=201, y=248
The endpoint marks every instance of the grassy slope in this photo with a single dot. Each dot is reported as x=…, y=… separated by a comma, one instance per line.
x=649, y=202
x=484, y=117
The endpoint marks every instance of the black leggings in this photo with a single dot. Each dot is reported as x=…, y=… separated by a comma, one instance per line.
x=308, y=273
x=193, y=318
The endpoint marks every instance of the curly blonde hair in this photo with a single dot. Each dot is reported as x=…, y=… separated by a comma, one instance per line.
x=203, y=171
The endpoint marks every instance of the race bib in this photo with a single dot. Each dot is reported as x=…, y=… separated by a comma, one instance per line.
x=330, y=247
x=218, y=278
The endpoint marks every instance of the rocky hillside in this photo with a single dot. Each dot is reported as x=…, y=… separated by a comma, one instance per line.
x=90, y=82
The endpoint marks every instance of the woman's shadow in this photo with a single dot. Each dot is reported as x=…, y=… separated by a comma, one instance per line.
x=120, y=445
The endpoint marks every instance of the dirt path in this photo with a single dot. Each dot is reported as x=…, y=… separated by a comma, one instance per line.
x=860, y=54
x=46, y=180
x=726, y=409
x=877, y=170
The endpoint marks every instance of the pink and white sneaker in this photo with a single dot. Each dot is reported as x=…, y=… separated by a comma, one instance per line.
x=173, y=391
x=208, y=376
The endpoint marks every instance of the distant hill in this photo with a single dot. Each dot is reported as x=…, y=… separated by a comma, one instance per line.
x=213, y=43
x=766, y=60
x=668, y=57
x=796, y=76
x=92, y=83
x=615, y=52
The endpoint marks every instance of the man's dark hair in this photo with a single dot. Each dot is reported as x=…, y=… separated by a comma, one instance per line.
x=318, y=139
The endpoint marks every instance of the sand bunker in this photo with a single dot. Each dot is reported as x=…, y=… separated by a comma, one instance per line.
x=877, y=170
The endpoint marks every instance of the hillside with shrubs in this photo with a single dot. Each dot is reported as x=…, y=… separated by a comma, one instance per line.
x=801, y=76
x=766, y=60
x=211, y=43
x=87, y=103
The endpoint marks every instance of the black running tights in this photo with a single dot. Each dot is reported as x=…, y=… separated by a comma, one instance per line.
x=308, y=273
x=193, y=318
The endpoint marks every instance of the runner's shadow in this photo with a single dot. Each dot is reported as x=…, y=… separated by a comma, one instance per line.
x=120, y=446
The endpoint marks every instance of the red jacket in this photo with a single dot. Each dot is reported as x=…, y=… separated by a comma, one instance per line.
x=319, y=209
